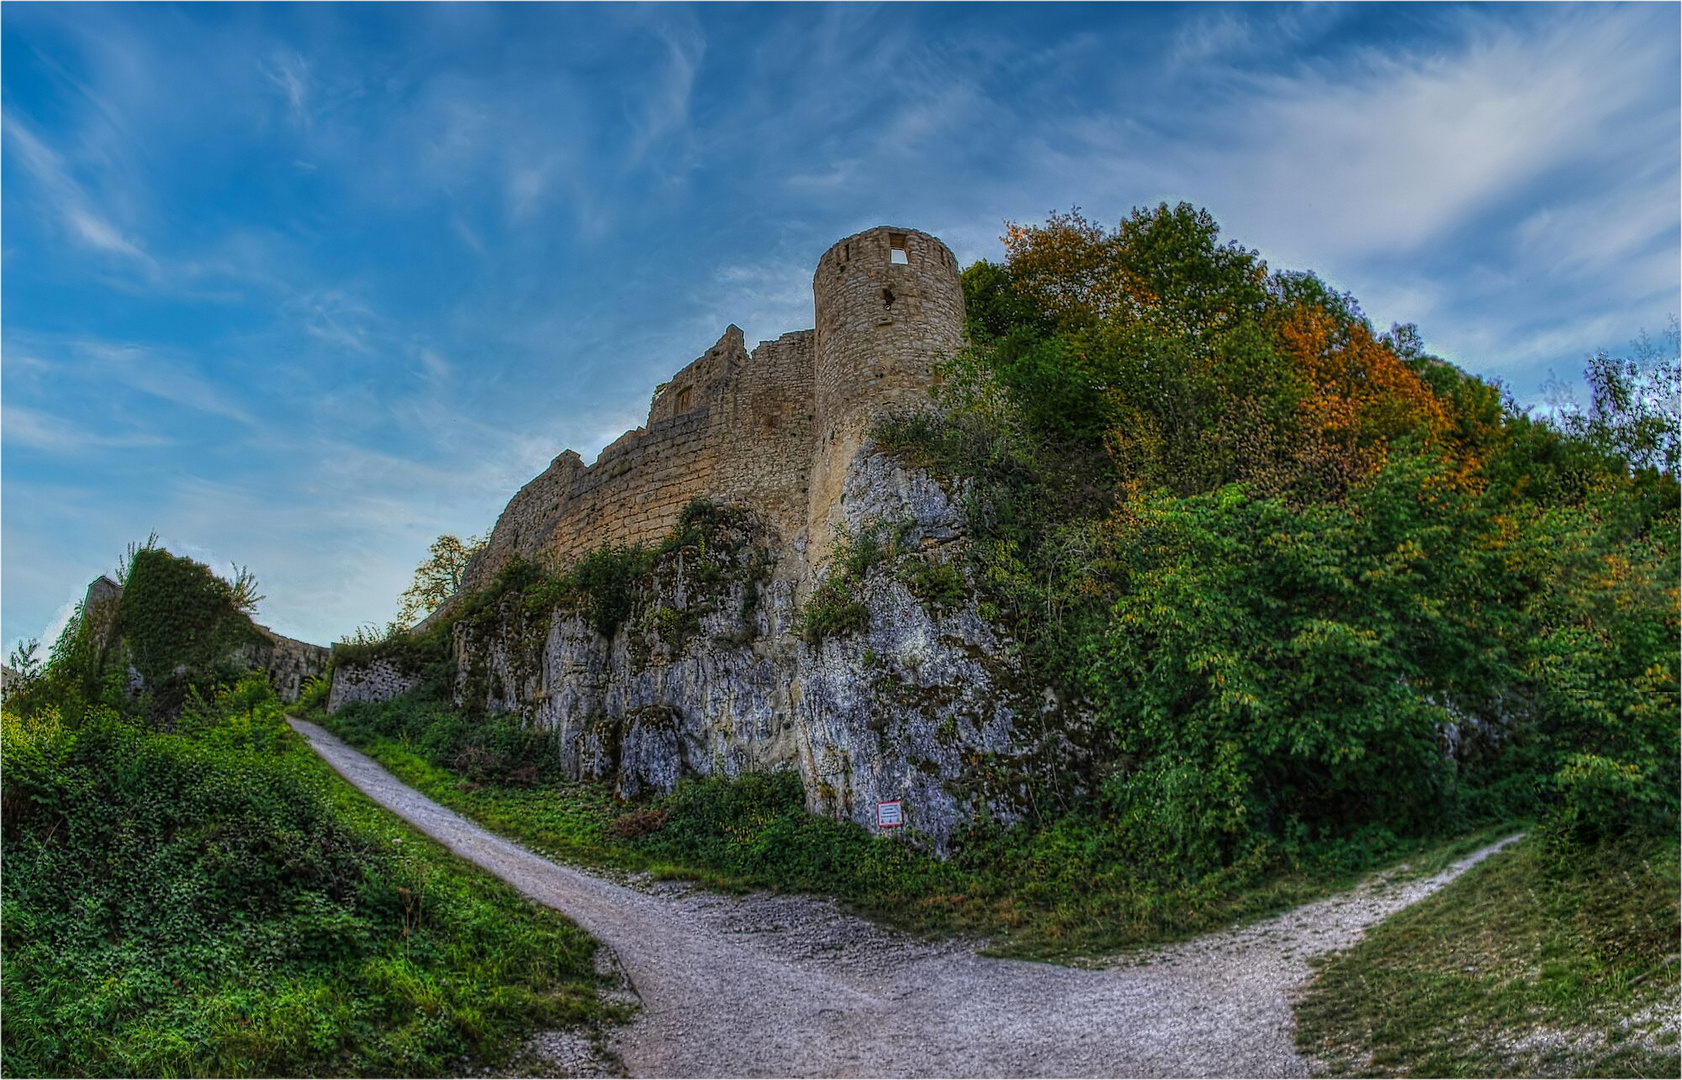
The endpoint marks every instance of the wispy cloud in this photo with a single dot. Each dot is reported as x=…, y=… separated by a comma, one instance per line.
x=84, y=222
x=40, y=430
x=337, y=318
x=290, y=73
x=152, y=372
x=1388, y=154
x=665, y=106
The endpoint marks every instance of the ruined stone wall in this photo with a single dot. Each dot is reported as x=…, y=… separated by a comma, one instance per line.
x=378, y=680
x=289, y=663
x=712, y=671
x=776, y=431
x=730, y=427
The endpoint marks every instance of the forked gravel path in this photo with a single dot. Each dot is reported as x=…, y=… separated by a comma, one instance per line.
x=791, y=986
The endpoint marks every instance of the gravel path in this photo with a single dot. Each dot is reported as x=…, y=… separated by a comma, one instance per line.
x=768, y=985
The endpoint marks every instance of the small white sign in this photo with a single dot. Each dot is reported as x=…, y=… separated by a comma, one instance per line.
x=890, y=815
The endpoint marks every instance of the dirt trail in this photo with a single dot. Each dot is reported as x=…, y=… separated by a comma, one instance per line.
x=791, y=986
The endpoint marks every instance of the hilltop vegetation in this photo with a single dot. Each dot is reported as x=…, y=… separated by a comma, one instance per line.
x=189, y=890
x=1320, y=586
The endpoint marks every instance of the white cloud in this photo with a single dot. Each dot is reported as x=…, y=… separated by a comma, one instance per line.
x=1390, y=155
x=291, y=73
x=41, y=430
x=152, y=372
x=85, y=223
x=665, y=110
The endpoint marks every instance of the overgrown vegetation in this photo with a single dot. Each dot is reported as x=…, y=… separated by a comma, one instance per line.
x=1551, y=960
x=1319, y=587
x=606, y=587
x=179, y=627
x=190, y=890
x=834, y=608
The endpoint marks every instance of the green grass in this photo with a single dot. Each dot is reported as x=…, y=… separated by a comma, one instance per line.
x=1531, y=964
x=218, y=902
x=1069, y=888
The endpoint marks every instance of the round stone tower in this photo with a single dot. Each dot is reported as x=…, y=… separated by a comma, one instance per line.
x=889, y=305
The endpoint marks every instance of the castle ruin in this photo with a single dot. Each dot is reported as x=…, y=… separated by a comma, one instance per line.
x=912, y=700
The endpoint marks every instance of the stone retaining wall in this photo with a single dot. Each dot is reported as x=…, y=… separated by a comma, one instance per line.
x=379, y=680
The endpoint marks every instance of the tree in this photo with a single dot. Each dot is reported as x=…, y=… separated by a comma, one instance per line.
x=1633, y=408
x=437, y=577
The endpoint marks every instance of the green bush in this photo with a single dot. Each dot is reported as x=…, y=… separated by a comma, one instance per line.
x=938, y=584
x=214, y=901
x=181, y=624
x=496, y=747
x=832, y=611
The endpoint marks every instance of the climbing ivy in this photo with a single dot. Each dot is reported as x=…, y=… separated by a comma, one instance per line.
x=181, y=623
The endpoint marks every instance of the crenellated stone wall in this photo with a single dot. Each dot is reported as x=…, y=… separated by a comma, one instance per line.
x=732, y=427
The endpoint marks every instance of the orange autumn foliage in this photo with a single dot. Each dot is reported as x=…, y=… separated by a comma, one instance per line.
x=1361, y=397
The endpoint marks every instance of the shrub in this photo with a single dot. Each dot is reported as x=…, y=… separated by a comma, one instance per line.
x=939, y=584
x=637, y=824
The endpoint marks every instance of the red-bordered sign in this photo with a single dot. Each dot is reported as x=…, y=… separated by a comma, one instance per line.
x=890, y=815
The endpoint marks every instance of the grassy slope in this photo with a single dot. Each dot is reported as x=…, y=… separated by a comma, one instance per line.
x=435, y=966
x=1522, y=967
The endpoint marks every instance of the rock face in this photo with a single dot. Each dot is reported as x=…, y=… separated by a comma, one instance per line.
x=710, y=675
x=721, y=663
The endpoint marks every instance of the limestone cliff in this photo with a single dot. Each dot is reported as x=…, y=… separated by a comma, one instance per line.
x=709, y=674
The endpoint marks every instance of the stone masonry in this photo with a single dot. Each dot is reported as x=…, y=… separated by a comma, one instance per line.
x=774, y=430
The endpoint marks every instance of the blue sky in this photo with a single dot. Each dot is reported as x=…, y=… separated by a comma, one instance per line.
x=302, y=287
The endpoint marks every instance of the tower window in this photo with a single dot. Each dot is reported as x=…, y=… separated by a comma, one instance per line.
x=683, y=399
x=896, y=249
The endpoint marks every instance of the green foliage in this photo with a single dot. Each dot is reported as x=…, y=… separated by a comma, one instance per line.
x=214, y=901
x=1317, y=585
x=607, y=577
x=1601, y=800
x=438, y=577
x=939, y=584
x=413, y=652
x=182, y=624
x=498, y=747
x=834, y=608
x=1633, y=409
x=606, y=584
x=312, y=697
x=1526, y=966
